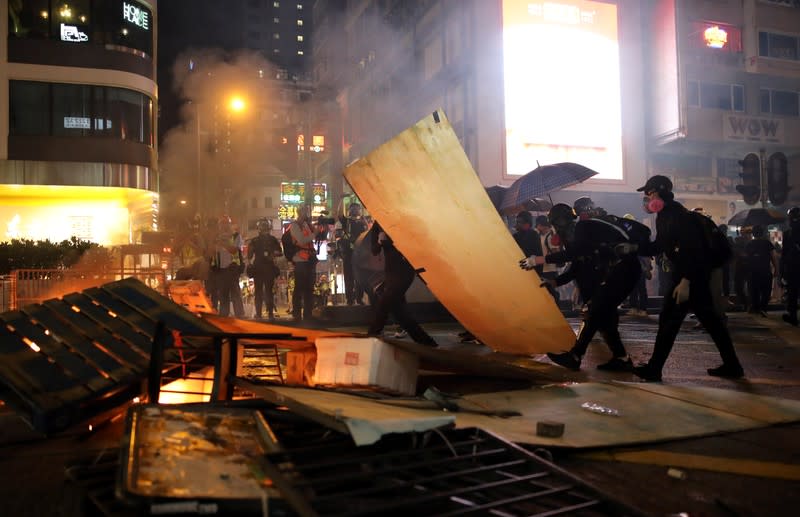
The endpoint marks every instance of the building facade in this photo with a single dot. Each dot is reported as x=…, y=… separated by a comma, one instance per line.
x=628, y=87
x=77, y=114
x=726, y=83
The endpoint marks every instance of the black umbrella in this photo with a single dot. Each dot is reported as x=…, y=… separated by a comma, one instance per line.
x=496, y=194
x=542, y=181
x=757, y=216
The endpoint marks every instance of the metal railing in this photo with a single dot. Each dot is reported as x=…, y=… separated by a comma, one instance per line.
x=26, y=286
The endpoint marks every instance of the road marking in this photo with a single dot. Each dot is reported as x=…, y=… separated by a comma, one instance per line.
x=756, y=468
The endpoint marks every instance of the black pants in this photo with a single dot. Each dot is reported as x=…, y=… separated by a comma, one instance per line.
x=263, y=283
x=230, y=291
x=740, y=274
x=638, y=298
x=349, y=277
x=602, y=308
x=393, y=300
x=760, y=288
x=303, y=295
x=673, y=314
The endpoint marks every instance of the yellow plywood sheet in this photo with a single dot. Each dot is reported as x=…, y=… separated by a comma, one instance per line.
x=644, y=416
x=422, y=189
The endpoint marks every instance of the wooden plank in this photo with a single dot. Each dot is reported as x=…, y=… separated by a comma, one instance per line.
x=139, y=320
x=73, y=364
x=115, y=369
x=101, y=337
x=422, y=189
x=116, y=325
x=30, y=372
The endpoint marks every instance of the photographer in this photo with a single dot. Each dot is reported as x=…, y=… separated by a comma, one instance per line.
x=353, y=225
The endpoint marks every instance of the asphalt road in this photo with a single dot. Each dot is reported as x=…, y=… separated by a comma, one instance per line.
x=32, y=468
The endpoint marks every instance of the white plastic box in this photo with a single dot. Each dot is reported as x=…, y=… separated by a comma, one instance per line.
x=350, y=361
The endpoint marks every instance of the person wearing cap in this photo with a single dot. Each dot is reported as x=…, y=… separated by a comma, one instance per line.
x=584, y=208
x=603, y=279
x=527, y=238
x=790, y=264
x=353, y=225
x=549, y=244
x=681, y=236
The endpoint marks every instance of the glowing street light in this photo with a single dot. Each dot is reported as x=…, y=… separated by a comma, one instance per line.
x=237, y=104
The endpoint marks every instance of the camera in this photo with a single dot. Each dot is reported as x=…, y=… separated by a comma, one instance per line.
x=325, y=219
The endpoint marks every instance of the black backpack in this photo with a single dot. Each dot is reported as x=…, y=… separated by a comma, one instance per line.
x=637, y=232
x=289, y=247
x=719, y=247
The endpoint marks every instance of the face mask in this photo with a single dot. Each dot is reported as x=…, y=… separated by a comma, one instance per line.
x=584, y=216
x=655, y=205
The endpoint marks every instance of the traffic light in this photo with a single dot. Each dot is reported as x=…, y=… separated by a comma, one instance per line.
x=777, y=179
x=750, y=189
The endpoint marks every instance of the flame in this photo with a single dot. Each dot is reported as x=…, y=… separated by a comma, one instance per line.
x=33, y=346
x=170, y=393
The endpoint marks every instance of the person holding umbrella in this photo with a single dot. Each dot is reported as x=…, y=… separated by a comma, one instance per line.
x=682, y=236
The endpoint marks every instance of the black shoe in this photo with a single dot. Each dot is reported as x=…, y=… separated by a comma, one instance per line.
x=644, y=372
x=727, y=371
x=566, y=359
x=790, y=320
x=617, y=364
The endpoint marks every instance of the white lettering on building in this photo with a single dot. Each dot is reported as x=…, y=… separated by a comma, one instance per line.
x=71, y=33
x=136, y=15
x=737, y=128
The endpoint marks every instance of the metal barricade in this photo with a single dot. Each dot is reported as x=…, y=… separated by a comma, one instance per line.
x=27, y=286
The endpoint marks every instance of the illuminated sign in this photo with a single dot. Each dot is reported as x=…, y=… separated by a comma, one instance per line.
x=136, y=15
x=71, y=33
x=562, y=97
x=317, y=143
x=715, y=37
x=84, y=123
x=295, y=192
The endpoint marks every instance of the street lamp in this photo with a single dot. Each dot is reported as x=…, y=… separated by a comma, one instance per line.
x=237, y=104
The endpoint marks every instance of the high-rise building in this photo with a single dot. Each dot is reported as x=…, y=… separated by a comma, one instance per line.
x=282, y=30
x=77, y=101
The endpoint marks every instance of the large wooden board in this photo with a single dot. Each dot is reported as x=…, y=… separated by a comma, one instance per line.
x=423, y=190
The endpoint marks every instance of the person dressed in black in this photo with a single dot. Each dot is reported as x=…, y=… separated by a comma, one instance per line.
x=353, y=225
x=790, y=264
x=399, y=274
x=261, y=253
x=527, y=238
x=681, y=235
x=762, y=262
x=603, y=279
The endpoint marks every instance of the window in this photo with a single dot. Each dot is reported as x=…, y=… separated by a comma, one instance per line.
x=276, y=4
x=276, y=20
x=120, y=23
x=300, y=53
x=299, y=23
x=299, y=37
x=44, y=109
x=720, y=37
x=253, y=203
x=728, y=97
x=268, y=202
x=254, y=35
x=299, y=7
x=275, y=35
x=779, y=46
x=779, y=102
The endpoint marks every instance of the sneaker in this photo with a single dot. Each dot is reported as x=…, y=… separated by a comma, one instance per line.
x=566, y=359
x=727, y=371
x=644, y=372
x=400, y=334
x=790, y=320
x=617, y=364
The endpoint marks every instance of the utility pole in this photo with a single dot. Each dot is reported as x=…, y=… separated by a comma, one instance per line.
x=764, y=194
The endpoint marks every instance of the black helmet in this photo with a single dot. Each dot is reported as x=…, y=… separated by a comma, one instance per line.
x=263, y=225
x=561, y=215
x=793, y=214
x=583, y=205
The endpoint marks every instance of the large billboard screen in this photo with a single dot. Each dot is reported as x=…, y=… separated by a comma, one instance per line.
x=562, y=85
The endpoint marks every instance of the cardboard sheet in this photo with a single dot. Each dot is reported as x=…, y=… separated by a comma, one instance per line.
x=644, y=416
x=423, y=190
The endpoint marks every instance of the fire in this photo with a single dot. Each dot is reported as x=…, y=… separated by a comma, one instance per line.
x=196, y=389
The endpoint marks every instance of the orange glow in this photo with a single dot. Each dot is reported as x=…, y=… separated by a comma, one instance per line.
x=715, y=37
x=237, y=104
x=169, y=392
x=33, y=346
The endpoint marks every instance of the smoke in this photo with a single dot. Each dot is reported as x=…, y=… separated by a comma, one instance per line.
x=231, y=149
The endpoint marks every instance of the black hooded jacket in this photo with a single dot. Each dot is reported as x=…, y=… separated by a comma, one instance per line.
x=681, y=237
